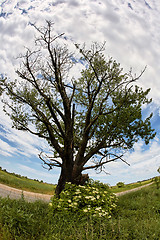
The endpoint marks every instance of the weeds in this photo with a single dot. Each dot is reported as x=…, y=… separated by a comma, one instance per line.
x=138, y=217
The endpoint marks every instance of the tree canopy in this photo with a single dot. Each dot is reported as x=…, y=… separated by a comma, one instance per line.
x=87, y=121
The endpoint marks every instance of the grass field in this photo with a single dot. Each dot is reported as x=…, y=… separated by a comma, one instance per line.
x=137, y=217
x=20, y=182
x=126, y=187
x=24, y=183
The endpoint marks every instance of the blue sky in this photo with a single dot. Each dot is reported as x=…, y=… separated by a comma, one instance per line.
x=132, y=34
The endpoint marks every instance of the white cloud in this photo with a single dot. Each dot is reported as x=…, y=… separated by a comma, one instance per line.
x=132, y=37
x=50, y=177
x=6, y=149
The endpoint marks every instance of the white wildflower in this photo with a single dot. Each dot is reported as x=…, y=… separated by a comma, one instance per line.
x=92, y=198
x=88, y=197
x=85, y=210
x=75, y=203
x=98, y=208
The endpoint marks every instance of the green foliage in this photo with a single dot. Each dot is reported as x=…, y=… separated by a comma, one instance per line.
x=94, y=199
x=158, y=170
x=157, y=181
x=97, y=116
x=108, y=104
x=120, y=184
x=137, y=218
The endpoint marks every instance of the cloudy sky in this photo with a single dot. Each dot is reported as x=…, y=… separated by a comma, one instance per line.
x=131, y=30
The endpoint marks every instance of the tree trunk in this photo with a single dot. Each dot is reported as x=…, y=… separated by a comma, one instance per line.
x=70, y=174
x=65, y=176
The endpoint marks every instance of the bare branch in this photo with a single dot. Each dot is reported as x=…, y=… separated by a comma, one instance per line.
x=49, y=161
x=101, y=163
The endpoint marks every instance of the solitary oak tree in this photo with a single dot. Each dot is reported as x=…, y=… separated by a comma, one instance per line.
x=89, y=121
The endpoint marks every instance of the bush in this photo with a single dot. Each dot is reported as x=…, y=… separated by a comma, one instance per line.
x=93, y=199
x=157, y=181
x=120, y=184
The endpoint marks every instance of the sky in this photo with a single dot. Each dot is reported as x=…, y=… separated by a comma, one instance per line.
x=131, y=30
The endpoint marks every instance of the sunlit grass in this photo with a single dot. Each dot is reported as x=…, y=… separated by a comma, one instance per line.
x=126, y=187
x=40, y=187
x=25, y=183
x=137, y=217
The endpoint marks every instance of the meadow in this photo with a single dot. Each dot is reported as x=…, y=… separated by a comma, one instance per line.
x=116, y=189
x=24, y=183
x=137, y=217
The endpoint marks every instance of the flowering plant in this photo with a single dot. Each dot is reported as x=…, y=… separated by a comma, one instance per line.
x=93, y=199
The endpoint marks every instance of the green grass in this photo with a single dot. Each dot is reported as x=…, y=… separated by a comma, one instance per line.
x=137, y=217
x=24, y=183
x=20, y=182
x=126, y=187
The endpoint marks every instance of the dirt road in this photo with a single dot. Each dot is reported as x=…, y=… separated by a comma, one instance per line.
x=132, y=190
x=13, y=193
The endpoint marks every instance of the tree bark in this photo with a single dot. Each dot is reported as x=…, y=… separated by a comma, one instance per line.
x=65, y=176
x=71, y=174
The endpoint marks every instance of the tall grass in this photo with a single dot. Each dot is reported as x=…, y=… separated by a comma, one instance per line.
x=137, y=217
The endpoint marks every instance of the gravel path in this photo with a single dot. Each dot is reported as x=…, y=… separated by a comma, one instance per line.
x=132, y=190
x=13, y=193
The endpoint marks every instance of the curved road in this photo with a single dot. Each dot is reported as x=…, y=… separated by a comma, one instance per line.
x=13, y=193
x=132, y=190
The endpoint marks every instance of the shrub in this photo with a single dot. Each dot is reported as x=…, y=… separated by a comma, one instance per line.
x=157, y=181
x=93, y=199
x=120, y=184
